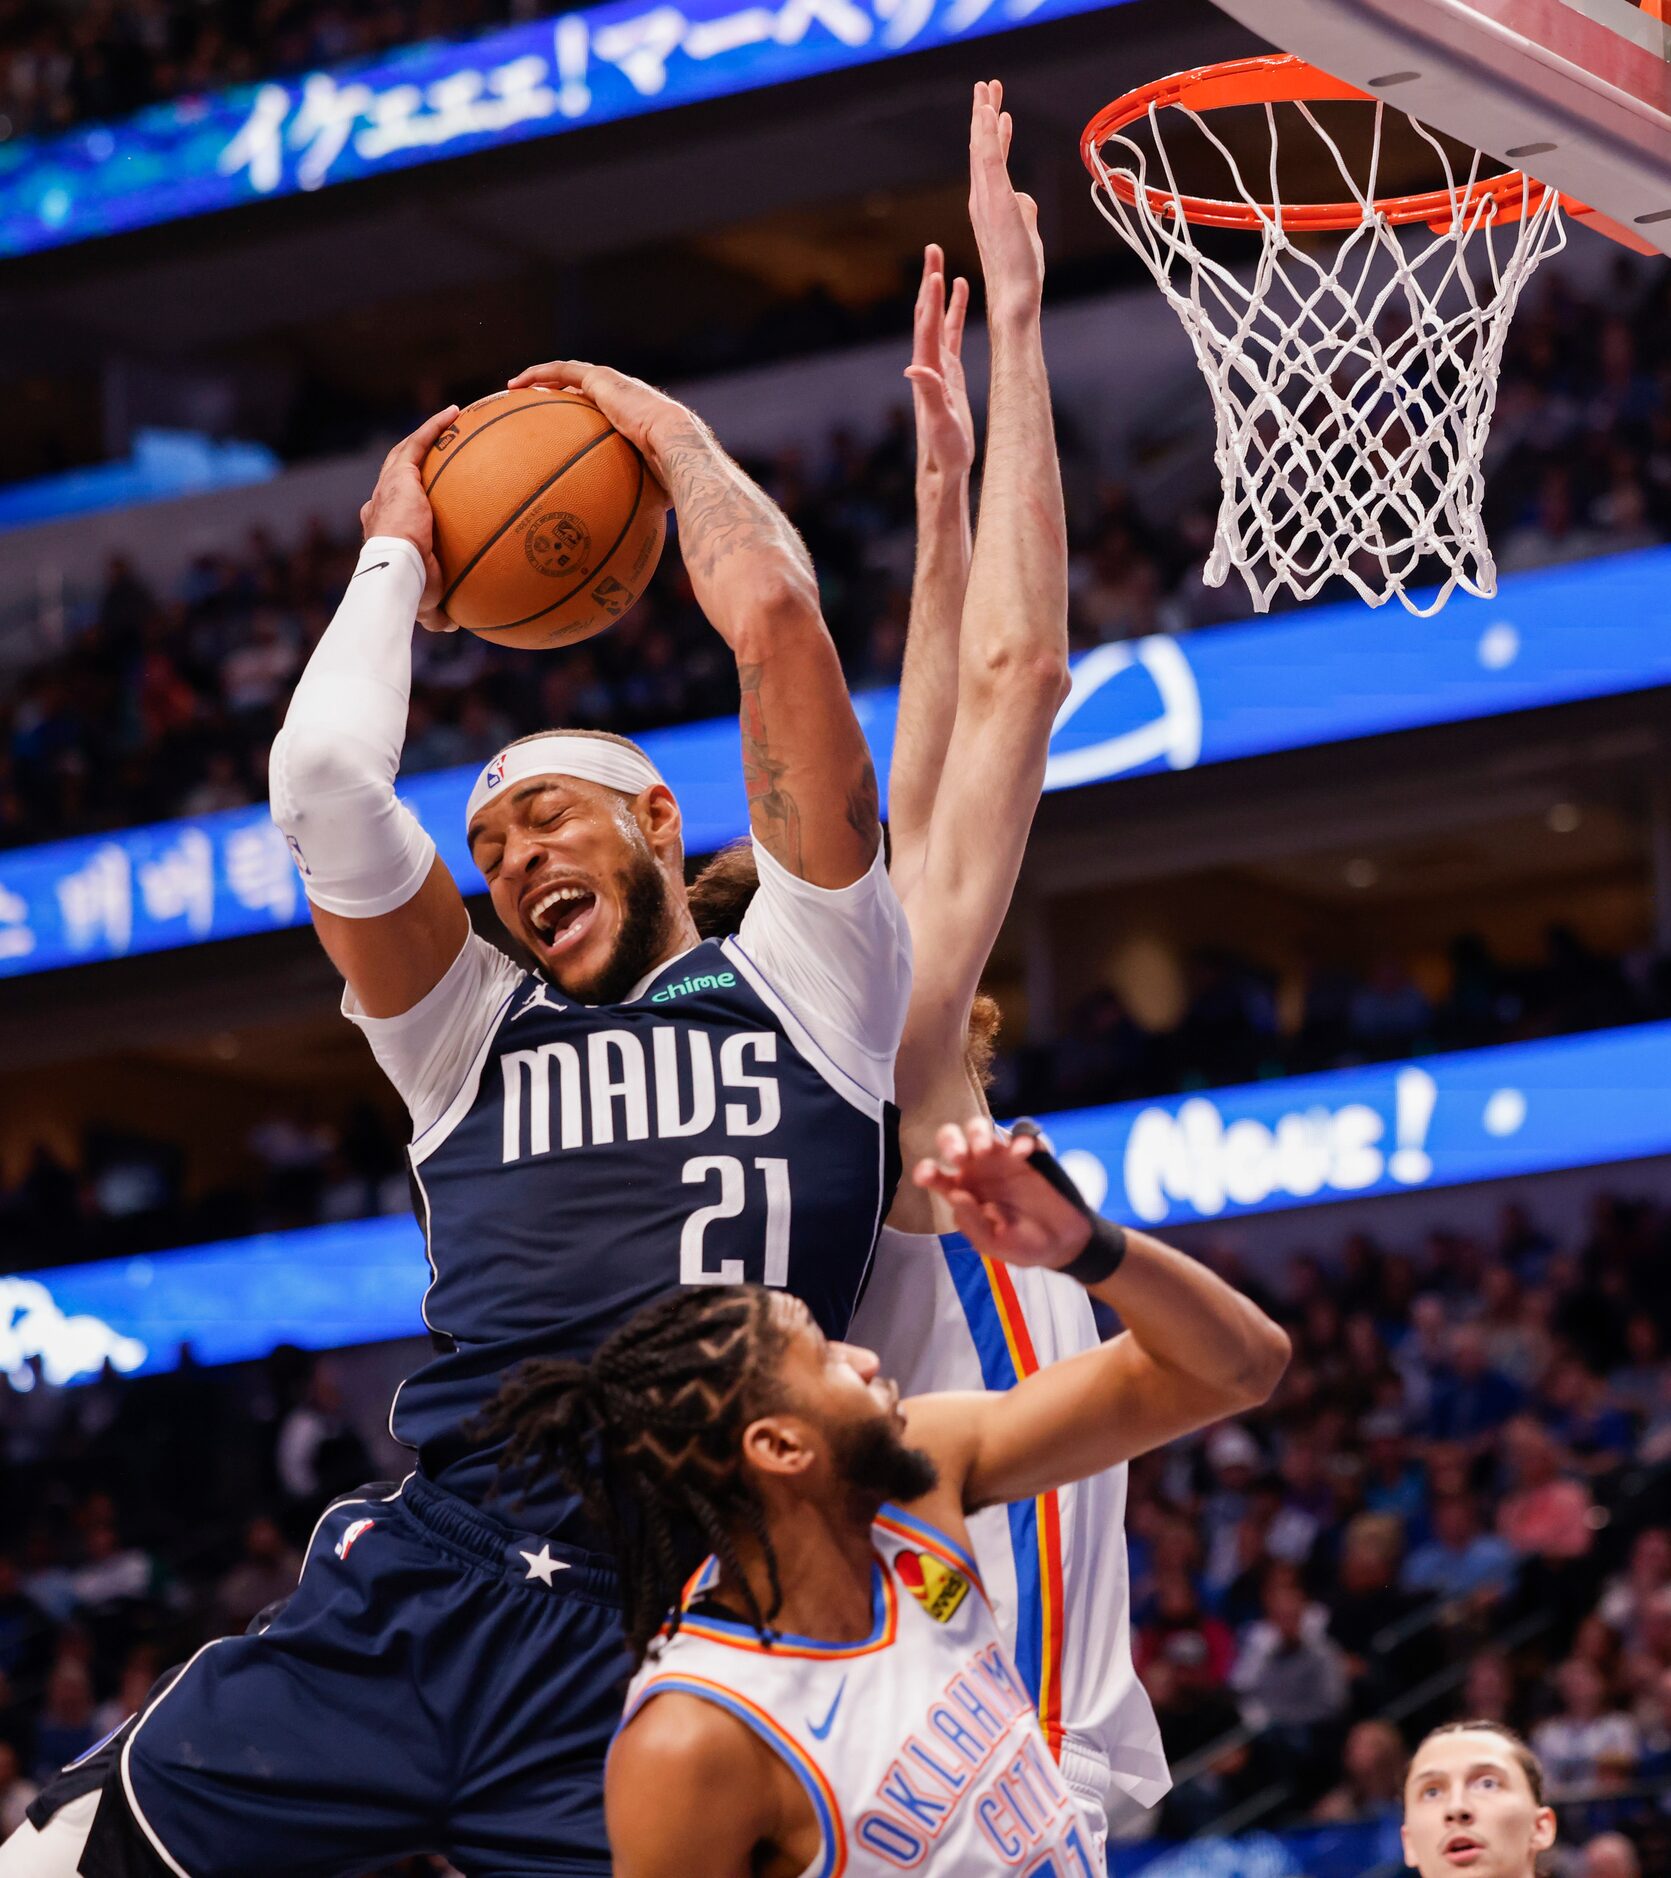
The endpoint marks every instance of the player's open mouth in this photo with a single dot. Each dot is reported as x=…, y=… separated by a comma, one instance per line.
x=561, y=916
x=1463, y=1848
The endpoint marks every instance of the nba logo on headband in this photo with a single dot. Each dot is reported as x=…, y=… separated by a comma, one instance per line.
x=494, y=774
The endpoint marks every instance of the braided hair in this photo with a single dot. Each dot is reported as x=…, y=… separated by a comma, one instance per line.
x=648, y=1434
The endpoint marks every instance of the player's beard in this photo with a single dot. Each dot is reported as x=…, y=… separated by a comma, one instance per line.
x=876, y=1464
x=641, y=944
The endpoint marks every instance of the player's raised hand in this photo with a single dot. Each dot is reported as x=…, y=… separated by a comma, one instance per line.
x=643, y=415
x=399, y=507
x=1002, y=1206
x=1006, y=222
x=939, y=396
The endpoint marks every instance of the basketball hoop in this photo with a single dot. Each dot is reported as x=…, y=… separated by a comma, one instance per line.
x=1353, y=380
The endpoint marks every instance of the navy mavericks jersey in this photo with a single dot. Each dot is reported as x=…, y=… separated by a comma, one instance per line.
x=598, y=1155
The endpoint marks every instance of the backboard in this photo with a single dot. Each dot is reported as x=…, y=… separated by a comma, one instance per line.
x=1576, y=92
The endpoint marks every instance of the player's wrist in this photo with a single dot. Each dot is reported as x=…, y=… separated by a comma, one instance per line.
x=1098, y=1251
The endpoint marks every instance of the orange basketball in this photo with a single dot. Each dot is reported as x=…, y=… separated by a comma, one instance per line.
x=547, y=524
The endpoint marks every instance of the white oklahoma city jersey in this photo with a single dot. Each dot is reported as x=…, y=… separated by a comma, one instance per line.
x=942, y=1317
x=919, y=1748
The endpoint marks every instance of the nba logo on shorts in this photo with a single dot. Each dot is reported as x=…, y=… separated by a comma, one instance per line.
x=494, y=774
x=345, y=1544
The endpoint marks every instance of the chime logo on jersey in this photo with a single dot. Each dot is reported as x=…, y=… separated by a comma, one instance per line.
x=345, y=1544
x=935, y=1586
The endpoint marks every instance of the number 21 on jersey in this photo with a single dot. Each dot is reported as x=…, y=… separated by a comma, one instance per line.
x=734, y=1183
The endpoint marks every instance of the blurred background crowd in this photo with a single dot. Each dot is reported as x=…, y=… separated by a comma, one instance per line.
x=163, y=700
x=1456, y=1504
x=66, y=61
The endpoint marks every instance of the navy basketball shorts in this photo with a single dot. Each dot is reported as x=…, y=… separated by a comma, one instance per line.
x=438, y=1683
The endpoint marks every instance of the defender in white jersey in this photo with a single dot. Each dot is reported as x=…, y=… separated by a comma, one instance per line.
x=985, y=671
x=829, y=1693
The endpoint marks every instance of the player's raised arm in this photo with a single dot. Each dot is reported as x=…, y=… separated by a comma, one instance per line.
x=945, y=430
x=1193, y=1349
x=385, y=907
x=1012, y=655
x=811, y=784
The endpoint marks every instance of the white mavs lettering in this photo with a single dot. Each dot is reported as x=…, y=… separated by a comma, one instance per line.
x=967, y=1753
x=565, y=1095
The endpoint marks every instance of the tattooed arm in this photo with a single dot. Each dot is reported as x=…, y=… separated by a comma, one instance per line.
x=811, y=784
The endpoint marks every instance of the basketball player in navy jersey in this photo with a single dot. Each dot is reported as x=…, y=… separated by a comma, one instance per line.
x=641, y=1110
x=985, y=670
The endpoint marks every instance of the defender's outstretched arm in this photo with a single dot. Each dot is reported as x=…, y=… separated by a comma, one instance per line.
x=1193, y=1349
x=1012, y=654
x=811, y=784
x=945, y=429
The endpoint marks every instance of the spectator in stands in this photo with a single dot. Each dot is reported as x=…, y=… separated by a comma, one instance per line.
x=65, y=1728
x=1471, y=1400
x=1610, y=1856
x=1370, y=1615
x=1587, y=1727
x=1175, y=1611
x=1373, y=1763
x=1461, y=1562
x=1394, y=1481
x=1630, y=1593
x=1546, y=1514
x=15, y=1791
x=1577, y=1407
x=1488, y=1690
x=1420, y=1356
x=1292, y=1677
x=1234, y=1459
x=267, y=1571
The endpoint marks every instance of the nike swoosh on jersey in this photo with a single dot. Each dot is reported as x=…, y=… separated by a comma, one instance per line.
x=820, y=1730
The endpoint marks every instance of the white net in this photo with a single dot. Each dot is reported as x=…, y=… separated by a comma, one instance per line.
x=1353, y=372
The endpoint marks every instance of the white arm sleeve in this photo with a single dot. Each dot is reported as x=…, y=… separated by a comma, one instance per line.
x=429, y=1051
x=840, y=958
x=332, y=774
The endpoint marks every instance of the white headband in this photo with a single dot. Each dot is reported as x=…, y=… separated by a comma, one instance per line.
x=587, y=759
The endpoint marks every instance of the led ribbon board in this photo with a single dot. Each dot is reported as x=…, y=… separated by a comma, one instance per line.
x=1439, y=1121
x=444, y=98
x=1324, y=676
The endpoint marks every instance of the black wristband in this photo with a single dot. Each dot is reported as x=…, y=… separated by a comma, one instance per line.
x=1103, y=1253
x=1106, y=1246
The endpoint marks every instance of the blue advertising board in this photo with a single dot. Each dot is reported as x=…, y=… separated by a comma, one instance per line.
x=1439, y=1121
x=1326, y=675
x=447, y=98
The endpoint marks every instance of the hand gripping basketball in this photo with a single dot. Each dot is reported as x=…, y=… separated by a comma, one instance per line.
x=637, y=410
x=399, y=507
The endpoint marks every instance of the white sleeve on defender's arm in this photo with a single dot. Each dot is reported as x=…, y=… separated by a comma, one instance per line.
x=331, y=777
x=839, y=958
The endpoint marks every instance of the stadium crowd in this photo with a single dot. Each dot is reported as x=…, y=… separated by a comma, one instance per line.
x=1455, y=1504
x=66, y=61
x=164, y=702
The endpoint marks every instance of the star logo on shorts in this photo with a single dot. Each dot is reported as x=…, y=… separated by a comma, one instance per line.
x=542, y=1565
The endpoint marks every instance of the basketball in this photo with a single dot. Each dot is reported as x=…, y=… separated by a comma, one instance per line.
x=547, y=523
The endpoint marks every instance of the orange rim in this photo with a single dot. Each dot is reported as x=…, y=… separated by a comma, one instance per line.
x=1285, y=78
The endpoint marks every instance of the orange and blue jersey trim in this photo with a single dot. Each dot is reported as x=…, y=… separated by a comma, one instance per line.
x=1004, y=1346
x=884, y=1605
x=833, y=1856
x=927, y=1538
